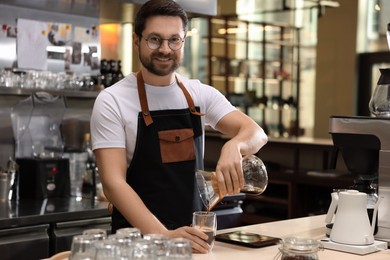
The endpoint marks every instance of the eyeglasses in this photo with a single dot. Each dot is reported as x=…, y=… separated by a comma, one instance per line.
x=154, y=42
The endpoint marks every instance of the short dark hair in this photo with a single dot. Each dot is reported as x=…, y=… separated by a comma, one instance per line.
x=155, y=8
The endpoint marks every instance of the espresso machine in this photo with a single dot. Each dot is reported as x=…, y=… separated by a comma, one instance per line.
x=364, y=143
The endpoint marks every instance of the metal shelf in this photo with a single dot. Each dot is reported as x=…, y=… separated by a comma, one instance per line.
x=15, y=91
x=270, y=70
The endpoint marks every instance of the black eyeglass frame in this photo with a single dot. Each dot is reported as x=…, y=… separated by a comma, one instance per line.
x=156, y=46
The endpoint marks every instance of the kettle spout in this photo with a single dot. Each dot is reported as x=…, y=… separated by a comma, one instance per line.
x=375, y=213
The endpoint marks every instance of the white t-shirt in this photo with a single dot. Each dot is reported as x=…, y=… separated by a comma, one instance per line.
x=114, y=117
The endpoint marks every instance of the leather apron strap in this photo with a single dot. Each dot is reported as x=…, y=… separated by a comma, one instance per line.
x=142, y=97
x=144, y=103
x=188, y=97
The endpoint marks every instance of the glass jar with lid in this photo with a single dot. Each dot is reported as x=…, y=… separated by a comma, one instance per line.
x=296, y=248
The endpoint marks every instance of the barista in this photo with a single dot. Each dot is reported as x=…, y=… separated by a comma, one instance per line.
x=147, y=133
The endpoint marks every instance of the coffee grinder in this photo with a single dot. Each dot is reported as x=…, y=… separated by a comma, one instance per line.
x=364, y=143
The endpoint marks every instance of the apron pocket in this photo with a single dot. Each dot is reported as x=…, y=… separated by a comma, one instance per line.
x=177, y=145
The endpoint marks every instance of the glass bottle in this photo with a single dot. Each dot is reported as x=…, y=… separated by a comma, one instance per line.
x=103, y=72
x=388, y=35
x=119, y=70
x=110, y=74
x=89, y=182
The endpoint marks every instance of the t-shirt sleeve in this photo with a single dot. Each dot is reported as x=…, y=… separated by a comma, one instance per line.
x=107, y=129
x=216, y=107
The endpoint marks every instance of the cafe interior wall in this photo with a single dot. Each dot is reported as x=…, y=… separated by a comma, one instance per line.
x=10, y=13
x=76, y=117
x=329, y=75
x=116, y=28
x=335, y=67
x=344, y=32
x=301, y=14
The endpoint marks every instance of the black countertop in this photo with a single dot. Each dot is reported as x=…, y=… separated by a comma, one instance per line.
x=29, y=212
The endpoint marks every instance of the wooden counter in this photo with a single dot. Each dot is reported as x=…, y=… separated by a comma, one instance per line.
x=308, y=227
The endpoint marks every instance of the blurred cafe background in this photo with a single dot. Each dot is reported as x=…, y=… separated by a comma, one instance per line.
x=289, y=64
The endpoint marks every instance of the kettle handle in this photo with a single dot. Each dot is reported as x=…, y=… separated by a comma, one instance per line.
x=375, y=213
x=332, y=208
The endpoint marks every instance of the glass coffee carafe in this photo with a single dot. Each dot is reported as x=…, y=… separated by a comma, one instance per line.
x=255, y=181
x=380, y=101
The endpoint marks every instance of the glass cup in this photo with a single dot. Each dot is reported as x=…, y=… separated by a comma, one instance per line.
x=143, y=249
x=131, y=233
x=107, y=250
x=206, y=222
x=120, y=238
x=7, y=180
x=125, y=245
x=83, y=247
x=96, y=233
x=162, y=244
x=179, y=248
x=77, y=171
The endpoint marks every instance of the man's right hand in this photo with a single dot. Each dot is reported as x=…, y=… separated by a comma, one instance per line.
x=197, y=238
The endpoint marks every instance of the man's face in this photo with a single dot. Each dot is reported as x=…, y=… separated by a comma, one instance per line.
x=163, y=60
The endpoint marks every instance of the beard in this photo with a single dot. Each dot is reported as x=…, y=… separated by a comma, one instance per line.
x=150, y=63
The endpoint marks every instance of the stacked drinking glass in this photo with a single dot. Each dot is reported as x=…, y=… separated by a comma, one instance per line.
x=127, y=244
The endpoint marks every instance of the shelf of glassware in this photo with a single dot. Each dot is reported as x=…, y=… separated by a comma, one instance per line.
x=273, y=111
x=258, y=72
x=17, y=91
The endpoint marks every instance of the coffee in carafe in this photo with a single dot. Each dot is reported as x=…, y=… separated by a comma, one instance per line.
x=255, y=181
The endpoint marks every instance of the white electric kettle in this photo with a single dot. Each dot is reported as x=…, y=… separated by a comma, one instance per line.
x=351, y=225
